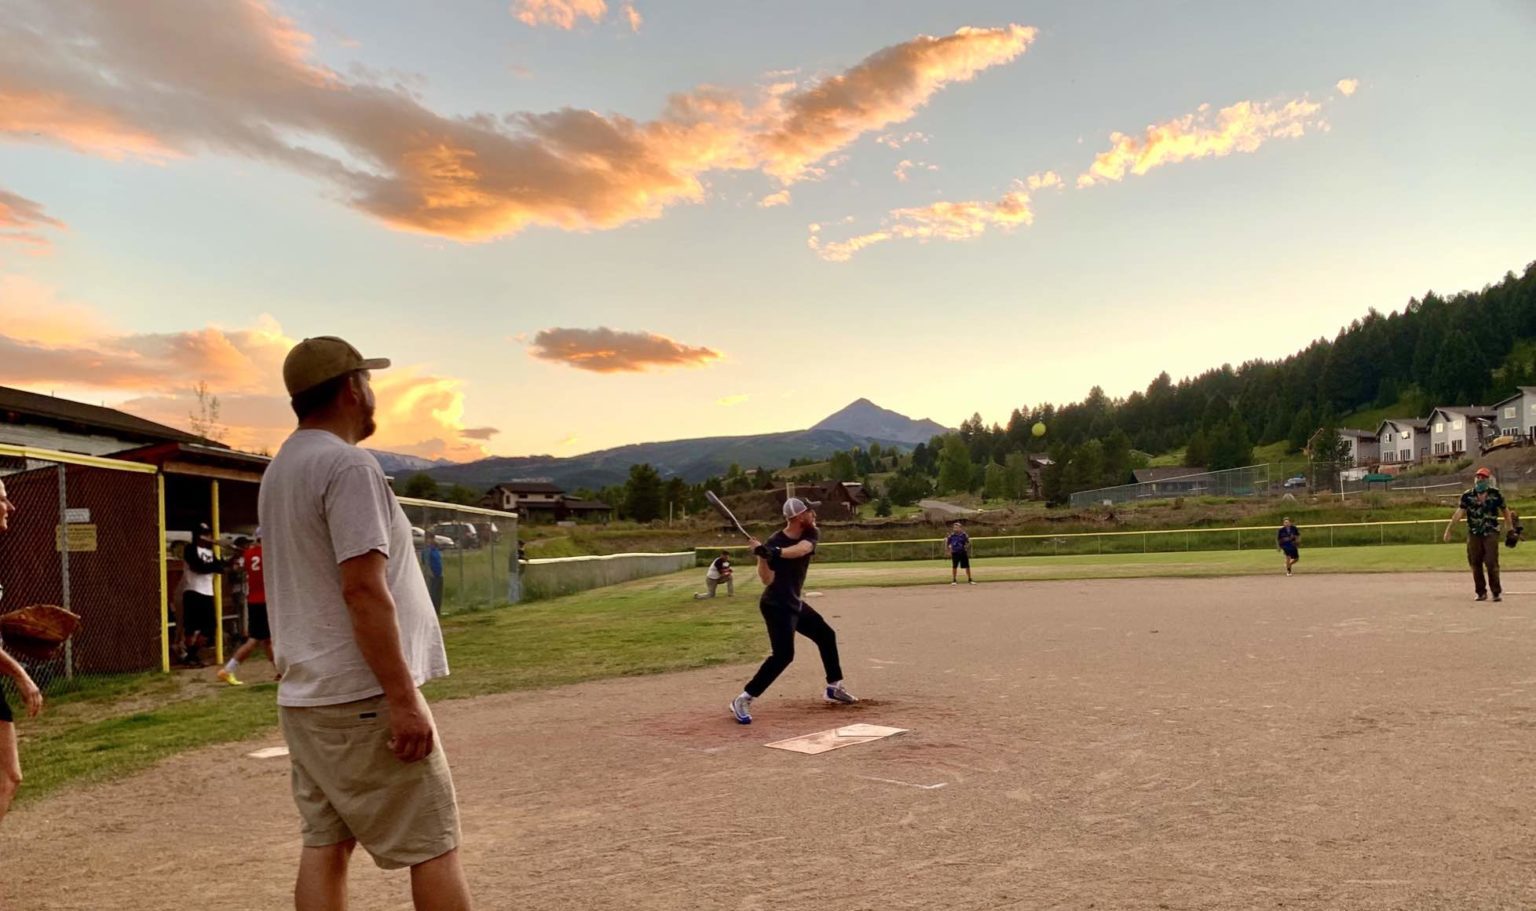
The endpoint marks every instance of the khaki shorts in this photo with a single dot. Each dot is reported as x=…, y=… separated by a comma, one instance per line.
x=348, y=784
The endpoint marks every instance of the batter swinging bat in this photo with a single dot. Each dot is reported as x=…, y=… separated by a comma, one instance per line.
x=725, y=510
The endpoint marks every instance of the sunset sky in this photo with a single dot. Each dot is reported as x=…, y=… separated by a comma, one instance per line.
x=575, y=224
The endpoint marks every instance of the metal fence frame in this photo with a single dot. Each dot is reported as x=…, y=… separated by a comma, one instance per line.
x=493, y=592
x=29, y=454
x=1223, y=483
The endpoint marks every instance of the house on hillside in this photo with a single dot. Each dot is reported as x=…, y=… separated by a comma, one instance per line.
x=536, y=500
x=1516, y=415
x=1458, y=429
x=834, y=500
x=529, y=496
x=1172, y=481
x=1362, y=447
x=46, y=422
x=1402, y=440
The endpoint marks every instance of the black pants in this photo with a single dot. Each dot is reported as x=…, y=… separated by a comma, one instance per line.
x=783, y=622
x=435, y=591
x=1483, y=554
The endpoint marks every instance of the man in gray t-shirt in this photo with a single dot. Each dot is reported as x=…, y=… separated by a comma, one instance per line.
x=348, y=603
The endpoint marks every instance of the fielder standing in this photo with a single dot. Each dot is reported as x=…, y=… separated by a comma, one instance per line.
x=781, y=565
x=1483, y=506
x=959, y=545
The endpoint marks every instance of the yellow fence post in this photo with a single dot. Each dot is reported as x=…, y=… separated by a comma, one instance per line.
x=165, y=582
x=218, y=582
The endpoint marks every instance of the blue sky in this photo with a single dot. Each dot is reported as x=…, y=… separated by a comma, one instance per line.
x=1419, y=179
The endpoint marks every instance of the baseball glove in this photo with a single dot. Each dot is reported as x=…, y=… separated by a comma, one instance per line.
x=1514, y=536
x=38, y=631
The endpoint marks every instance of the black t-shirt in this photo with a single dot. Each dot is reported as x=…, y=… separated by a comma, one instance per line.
x=789, y=575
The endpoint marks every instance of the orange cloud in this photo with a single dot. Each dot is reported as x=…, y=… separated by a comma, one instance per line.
x=896, y=141
x=632, y=16
x=942, y=220
x=1347, y=87
x=153, y=375
x=559, y=13
x=130, y=86
x=888, y=87
x=1243, y=127
x=605, y=350
x=20, y=218
x=780, y=198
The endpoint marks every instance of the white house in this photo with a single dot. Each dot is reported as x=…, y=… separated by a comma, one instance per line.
x=1364, y=447
x=1458, y=429
x=515, y=495
x=1402, y=440
x=1516, y=415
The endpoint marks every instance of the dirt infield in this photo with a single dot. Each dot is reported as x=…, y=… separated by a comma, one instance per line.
x=1317, y=742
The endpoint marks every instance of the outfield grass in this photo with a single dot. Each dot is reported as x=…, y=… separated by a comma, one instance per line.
x=110, y=727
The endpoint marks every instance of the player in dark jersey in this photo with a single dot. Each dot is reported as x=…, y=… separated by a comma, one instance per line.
x=781, y=565
x=1288, y=538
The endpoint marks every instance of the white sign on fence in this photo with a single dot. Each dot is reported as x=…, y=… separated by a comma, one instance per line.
x=77, y=517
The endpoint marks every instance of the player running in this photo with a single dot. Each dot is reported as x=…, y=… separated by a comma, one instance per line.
x=781, y=565
x=959, y=545
x=258, y=631
x=1288, y=539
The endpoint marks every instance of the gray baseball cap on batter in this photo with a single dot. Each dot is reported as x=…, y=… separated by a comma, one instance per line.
x=325, y=357
x=794, y=506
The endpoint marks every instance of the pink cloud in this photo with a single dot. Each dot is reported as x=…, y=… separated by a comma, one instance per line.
x=130, y=86
x=21, y=219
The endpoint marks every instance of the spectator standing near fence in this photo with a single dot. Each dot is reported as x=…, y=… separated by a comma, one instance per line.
x=10, y=758
x=1483, y=506
x=350, y=606
x=433, y=557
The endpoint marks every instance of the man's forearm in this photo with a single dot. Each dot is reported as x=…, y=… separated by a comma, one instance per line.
x=378, y=638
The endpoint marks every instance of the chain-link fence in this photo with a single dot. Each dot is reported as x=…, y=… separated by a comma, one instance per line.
x=470, y=556
x=1169, y=483
x=86, y=535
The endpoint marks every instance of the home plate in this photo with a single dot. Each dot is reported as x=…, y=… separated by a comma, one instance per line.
x=269, y=753
x=835, y=739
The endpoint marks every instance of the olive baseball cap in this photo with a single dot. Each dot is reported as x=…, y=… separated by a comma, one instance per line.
x=324, y=357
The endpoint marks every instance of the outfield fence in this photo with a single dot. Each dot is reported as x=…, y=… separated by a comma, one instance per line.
x=1248, y=481
x=557, y=576
x=1345, y=534
x=88, y=534
x=476, y=550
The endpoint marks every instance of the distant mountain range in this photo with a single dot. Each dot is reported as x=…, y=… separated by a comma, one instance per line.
x=860, y=424
x=395, y=464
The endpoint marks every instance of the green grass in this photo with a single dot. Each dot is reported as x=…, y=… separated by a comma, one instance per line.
x=110, y=727
x=1370, y=418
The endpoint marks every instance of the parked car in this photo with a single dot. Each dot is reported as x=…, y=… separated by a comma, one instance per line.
x=420, y=537
x=1297, y=481
x=463, y=534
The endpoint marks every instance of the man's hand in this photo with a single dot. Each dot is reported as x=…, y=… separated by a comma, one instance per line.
x=32, y=696
x=410, y=729
x=1447, y=535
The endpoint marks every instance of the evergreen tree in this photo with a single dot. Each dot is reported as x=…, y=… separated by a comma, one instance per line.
x=421, y=486
x=643, y=500
x=954, y=466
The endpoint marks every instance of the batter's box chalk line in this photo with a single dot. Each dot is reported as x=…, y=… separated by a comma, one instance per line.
x=269, y=753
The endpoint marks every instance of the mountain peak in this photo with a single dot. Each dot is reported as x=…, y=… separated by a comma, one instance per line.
x=864, y=418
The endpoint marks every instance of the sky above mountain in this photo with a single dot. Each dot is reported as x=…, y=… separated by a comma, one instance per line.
x=580, y=223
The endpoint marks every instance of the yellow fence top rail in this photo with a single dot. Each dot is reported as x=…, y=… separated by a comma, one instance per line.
x=1105, y=534
x=71, y=458
x=457, y=507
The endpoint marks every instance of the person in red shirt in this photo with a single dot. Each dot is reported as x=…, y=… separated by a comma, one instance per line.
x=258, y=630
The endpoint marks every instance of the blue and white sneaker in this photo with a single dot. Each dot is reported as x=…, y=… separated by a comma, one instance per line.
x=741, y=708
x=836, y=693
